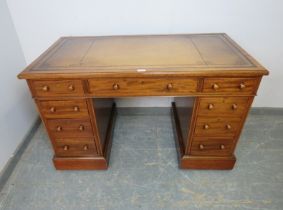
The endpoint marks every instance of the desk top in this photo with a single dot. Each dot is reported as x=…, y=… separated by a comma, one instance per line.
x=186, y=54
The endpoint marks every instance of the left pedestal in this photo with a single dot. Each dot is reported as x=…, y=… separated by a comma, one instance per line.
x=80, y=128
x=95, y=162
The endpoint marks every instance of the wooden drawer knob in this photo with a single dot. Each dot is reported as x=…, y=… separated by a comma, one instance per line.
x=222, y=146
x=85, y=147
x=76, y=108
x=170, y=86
x=59, y=128
x=65, y=147
x=201, y=146
x=52, y=109
x=234, y=106
x=242, y=86
x=205, y=126
x=215, y=86
x=116, y=87
x=71, y=87
x=228, y=127
x=45, y=88
x=210, y=106
x=81, y=128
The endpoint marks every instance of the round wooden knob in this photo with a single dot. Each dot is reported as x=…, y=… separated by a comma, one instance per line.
x=81, y=127
x=210, y=106
x=45, y=88
x=228, y=127
x=71, y=87
x=222, y=146
x=206, y=126
x=52, y=109
x=66, y=147
x=76, y=108
x=242, y=86
x=201, y=146
x=85, y=147
x=169, y=86
x=234, y=106
x=59, y=128
x=115, y=87
x=215, y=86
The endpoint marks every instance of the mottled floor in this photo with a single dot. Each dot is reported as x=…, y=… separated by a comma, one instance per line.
x=144, y=174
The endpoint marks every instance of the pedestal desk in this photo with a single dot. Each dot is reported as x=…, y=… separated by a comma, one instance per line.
x=75, y=81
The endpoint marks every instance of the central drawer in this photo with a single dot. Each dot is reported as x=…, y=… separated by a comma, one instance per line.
x=142, y=86
x=67, y=128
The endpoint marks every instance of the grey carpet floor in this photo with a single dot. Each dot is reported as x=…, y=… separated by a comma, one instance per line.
x=144, y=174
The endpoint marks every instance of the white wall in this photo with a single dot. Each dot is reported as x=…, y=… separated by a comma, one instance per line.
x=16, y=108
x=255, y=24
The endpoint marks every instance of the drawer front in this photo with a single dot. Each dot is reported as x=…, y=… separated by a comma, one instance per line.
x=70, y=128
x=217, y=126
x=142, y=86
x=64, y=109
x=57, y=88
x=230, y=85
x=75, y=147
x=211, y=147
x=232, y=106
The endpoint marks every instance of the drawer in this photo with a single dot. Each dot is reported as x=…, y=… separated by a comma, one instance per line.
x=232, y=106
x=75, y=147
x=231, y=85
x=217, y=126
x=211, y=147
x=142, y=86
x=64, y=109
x=70, y=128
x=57, y=88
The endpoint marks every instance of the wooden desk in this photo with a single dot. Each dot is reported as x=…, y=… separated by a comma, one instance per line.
x=75, y=80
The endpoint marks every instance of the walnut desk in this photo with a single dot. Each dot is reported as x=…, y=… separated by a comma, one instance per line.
x=75, y=81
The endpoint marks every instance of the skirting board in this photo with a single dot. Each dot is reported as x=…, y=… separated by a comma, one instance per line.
x=266, y=111
x=8, y=169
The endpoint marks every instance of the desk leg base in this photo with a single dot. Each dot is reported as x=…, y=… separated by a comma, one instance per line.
x=209, y=162
x=90, y=163
x=197, y=162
